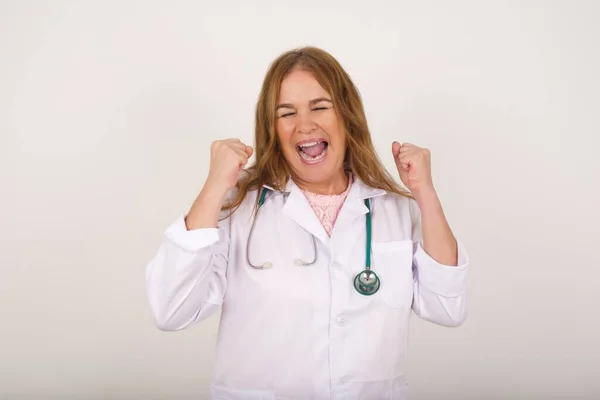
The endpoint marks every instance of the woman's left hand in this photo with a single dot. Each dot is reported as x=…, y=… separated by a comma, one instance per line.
x=414, y=168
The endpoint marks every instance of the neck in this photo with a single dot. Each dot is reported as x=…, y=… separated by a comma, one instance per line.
x=336, y=184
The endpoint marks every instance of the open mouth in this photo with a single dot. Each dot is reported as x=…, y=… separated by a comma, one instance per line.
x=314, y=150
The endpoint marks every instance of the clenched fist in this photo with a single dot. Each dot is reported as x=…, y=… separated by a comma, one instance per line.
x=227, y=158
x=414, y=167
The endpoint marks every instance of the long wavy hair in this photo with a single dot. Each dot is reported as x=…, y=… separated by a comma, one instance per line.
x=270, y=167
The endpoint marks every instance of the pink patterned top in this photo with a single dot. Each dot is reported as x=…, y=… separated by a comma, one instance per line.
x=327, y=207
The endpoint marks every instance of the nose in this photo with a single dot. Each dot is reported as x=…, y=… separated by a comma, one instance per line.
x=305, y=123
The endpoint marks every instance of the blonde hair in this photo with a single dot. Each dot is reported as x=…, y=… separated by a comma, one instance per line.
x=270, y=167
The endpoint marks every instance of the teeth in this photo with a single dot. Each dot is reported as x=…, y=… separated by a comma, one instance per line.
x=310, y=143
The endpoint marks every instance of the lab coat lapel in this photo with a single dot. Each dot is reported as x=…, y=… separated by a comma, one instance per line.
x=298, y=208
x=354, y=206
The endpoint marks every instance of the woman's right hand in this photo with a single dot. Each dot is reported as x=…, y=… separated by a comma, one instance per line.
x=227, y=158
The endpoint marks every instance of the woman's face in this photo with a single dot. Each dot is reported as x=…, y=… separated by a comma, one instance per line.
x=311, y=135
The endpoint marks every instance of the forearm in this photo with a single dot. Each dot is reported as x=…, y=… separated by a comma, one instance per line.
x=206, y=209
x=438, y=240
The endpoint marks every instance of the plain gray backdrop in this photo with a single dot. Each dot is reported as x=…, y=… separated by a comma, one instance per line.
x=107, y=112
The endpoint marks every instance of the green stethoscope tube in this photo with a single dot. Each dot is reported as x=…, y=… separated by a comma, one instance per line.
x=366, y=282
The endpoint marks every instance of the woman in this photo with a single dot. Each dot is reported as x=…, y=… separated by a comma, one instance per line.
x=314, y=254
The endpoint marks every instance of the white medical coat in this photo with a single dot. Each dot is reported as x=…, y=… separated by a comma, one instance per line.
x=303, y=332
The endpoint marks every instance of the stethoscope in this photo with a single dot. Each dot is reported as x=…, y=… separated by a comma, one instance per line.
x=366, y=282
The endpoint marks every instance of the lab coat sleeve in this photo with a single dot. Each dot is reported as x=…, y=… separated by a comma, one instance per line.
x=440, y=291
x=186, y=279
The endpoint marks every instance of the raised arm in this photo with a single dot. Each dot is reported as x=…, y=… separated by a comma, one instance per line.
x=186, y=279
x=440, y=262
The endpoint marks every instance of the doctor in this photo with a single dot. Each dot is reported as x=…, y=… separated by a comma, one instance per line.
x=315, y=256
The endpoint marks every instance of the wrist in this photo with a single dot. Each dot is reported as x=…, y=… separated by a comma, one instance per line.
x=214, y=190
x=207, y=207
x=426, y=197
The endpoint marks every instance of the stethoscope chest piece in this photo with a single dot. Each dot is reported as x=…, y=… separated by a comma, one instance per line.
x=367, y=282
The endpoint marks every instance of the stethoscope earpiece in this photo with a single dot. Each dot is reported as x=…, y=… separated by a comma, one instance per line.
x=267, y=265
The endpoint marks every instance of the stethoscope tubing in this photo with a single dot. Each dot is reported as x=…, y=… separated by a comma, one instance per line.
x=365, y=282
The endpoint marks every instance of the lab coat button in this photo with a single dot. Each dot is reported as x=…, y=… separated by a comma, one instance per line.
x=342, y=321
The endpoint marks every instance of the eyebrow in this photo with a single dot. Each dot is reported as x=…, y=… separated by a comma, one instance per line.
x=312, y=102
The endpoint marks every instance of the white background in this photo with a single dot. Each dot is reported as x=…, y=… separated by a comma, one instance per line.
x=107, y=111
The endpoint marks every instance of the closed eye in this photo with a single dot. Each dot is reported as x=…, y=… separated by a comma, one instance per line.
x=292, y=113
